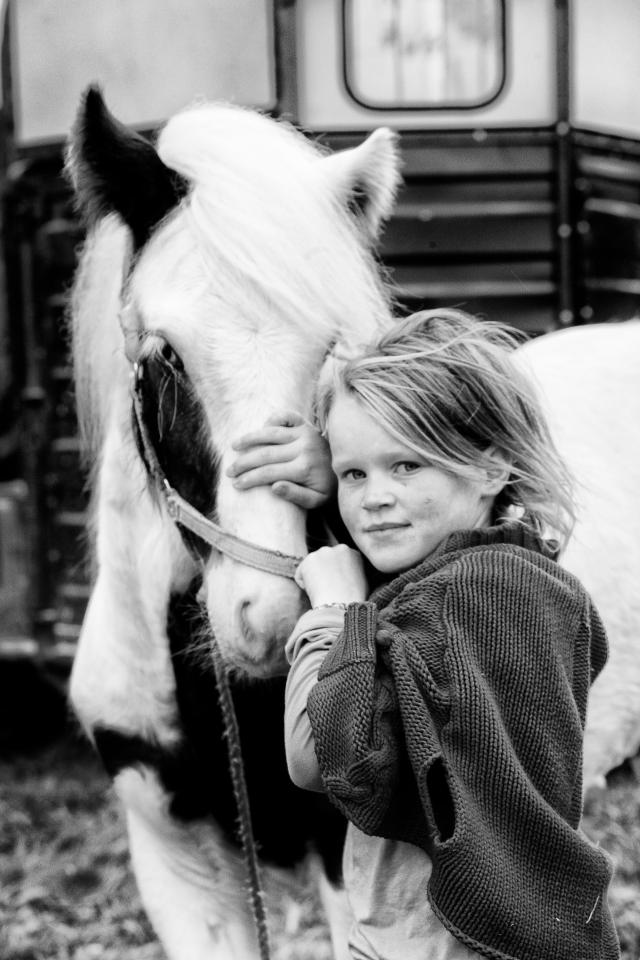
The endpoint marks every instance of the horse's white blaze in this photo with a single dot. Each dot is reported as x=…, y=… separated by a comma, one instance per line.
x=250, y=281
x=589, y=378
x=248, y=367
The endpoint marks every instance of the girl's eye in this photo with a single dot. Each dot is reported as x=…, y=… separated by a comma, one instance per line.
x=407, y=466
x=352, y=474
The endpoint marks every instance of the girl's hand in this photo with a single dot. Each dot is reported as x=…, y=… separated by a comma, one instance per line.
x=333, y=575
x=289, y=455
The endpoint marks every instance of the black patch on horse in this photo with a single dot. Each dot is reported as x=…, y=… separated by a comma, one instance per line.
x=287, y=821
x=177, y=429
x=115, y=170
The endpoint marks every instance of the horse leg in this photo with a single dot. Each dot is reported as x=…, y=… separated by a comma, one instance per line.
x=337, y=911
x=192, y=884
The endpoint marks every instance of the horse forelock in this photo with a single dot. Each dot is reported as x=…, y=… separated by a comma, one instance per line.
x=268, y=225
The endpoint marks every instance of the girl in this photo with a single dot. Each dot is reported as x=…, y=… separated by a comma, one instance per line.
x=444, y=714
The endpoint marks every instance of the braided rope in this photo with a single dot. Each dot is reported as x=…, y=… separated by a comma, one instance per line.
x=236, y=767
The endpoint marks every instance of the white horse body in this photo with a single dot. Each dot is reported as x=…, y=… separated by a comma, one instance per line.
x=250, y=277
x=589, y=379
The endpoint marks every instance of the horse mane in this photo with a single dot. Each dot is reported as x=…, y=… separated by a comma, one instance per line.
x=100, y=367
x=262, y=209
x=262, y=204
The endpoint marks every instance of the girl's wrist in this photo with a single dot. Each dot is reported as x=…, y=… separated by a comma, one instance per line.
x=343, y=598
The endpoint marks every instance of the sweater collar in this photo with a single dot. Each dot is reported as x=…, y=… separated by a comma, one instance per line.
x=512, y=533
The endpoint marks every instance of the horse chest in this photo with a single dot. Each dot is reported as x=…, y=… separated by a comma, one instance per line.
x=287, y=821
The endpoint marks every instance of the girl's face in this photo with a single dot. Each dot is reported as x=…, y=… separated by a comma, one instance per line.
x=397, y=506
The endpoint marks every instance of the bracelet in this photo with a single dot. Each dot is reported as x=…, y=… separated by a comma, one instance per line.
x=321, y=606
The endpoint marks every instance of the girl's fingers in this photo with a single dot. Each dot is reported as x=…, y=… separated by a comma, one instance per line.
x=262, y=475
x=302, y=496
x=298, y=577
x=261, y=457
x=285, y=418
x=265, y=436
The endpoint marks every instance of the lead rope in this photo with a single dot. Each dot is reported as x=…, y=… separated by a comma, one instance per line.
x=271, y=561
x=241, y=794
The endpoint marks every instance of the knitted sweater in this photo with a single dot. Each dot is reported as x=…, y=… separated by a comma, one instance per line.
x=450, y=714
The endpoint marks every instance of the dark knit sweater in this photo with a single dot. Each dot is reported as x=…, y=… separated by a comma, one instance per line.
x=450, y=713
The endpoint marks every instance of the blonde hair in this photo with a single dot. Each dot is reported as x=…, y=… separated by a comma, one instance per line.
x=445, y=385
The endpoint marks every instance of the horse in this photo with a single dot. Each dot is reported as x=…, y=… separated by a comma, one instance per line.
x=221, y=265
x=224, y=261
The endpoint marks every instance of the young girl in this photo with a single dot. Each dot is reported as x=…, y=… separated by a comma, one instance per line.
x=444, y=714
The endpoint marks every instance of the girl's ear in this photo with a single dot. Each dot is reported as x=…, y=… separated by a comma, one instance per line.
x=496, y=473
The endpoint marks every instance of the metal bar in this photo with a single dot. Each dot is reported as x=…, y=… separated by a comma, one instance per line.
x=564, y=165
x=286, y=53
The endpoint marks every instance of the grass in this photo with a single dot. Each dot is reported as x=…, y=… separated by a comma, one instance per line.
x=66, y=891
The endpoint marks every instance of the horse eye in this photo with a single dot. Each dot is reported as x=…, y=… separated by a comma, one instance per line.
x=170, y=356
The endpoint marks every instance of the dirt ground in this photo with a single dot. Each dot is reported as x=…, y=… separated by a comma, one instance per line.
x=66, y=892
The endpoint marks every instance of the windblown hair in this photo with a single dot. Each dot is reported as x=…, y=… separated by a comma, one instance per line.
x=445, y=385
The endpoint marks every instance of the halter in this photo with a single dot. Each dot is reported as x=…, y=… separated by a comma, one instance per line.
x=184, y=514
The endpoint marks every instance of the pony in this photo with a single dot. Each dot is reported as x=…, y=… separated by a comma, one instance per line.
x=226, y=259
x=223, y=262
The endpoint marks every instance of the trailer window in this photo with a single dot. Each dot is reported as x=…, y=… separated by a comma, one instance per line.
x=423, y=54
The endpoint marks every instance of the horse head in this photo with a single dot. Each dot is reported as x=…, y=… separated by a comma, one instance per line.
x=233, y=252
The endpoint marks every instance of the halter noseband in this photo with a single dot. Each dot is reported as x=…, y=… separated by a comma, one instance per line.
x=182, y=513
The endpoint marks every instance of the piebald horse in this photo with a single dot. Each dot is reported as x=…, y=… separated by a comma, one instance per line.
x=222, y=263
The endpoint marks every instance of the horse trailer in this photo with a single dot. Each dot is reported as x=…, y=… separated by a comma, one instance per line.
x=519, y=128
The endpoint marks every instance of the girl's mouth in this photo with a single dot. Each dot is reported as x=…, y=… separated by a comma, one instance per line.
x=381, y=527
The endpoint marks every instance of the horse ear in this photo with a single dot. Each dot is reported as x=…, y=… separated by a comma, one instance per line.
x=367, y=178
x=114, y=170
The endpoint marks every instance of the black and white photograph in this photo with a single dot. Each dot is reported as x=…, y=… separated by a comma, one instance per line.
x=319, y=479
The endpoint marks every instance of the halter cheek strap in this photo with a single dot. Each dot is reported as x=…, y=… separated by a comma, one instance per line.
x=182, y=513
x=243, y=551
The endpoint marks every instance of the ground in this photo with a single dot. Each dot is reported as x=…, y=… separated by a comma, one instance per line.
x=66, y=892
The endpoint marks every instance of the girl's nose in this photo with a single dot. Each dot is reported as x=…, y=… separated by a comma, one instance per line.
x=377, y=494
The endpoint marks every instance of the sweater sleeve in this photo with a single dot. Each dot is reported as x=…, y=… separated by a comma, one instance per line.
x=306, y=649
x=357, y=726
